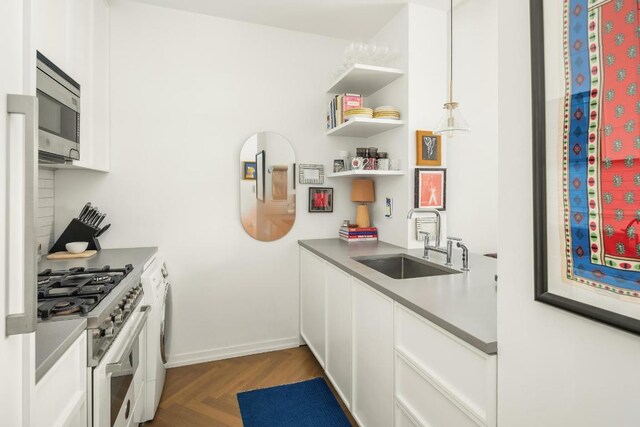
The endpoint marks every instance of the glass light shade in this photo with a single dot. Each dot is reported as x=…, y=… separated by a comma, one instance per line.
x=452, y=121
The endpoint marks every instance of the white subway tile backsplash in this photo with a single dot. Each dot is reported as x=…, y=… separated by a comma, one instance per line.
x=45, y=211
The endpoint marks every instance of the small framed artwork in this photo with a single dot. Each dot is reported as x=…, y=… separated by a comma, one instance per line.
x=320, y=199
x=249, y=170
x=430, y=189
x=260, y=175
x=311, y=174
x=428, y=148
x=338, y=165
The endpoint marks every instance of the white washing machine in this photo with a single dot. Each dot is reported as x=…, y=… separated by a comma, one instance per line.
x=157, y=294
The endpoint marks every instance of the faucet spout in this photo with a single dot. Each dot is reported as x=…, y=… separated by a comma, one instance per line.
x=431, y=211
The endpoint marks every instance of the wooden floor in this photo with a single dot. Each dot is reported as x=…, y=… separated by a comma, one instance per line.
x=205, y=394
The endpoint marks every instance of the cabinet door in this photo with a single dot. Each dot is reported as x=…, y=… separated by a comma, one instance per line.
x=372, y=357
x=312, y=303
x=339, y=330
x=50, y=20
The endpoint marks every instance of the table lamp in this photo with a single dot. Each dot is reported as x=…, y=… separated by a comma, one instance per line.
x=362, y=192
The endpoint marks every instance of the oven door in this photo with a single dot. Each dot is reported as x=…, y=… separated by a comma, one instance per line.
x=118, y=380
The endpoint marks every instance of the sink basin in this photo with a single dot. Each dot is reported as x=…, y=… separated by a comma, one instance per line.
x=402, y=266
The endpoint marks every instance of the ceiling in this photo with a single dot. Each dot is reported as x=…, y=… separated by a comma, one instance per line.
x=344, y=19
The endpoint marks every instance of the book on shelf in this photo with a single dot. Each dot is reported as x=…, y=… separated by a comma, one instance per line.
x=358, y=239
x=339, y=104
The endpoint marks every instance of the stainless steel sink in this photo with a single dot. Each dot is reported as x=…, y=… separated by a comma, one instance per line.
x=402, y=266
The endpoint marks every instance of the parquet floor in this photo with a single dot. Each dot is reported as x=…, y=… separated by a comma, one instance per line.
x=205, y=394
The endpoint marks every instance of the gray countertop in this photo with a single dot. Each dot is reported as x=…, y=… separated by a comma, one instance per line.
x=463, y=304
x=54, y=337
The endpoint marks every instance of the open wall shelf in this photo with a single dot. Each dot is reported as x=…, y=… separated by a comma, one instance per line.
x=364, y=79
x=361, y=127
x=353, y=173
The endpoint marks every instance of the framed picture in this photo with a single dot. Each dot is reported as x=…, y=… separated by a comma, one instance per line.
x=430, y=189
x=338, y=165
x=260, y=175
x=249, y=170
x=311, y=174
x=320, y=199
x=586, y=158
x=428, y=148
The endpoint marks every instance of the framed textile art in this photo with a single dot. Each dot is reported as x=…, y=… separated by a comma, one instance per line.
x=586, y=157
x=430, y=190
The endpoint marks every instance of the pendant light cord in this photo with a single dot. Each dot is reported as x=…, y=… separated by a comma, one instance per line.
x=451, y=52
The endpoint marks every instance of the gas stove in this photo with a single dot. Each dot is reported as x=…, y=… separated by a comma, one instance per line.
x=76, y=291
x=106, y=297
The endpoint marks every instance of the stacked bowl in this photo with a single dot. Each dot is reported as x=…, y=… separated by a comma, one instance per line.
x=358, y=112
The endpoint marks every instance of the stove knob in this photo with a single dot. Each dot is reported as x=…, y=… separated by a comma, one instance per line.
x=127, y=307
x=117, y=316
x=108, y=329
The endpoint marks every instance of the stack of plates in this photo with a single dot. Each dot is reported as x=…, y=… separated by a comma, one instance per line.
x=386, y=112
x=358, y=112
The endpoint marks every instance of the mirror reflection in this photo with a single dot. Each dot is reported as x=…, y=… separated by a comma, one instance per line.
x=267, y=186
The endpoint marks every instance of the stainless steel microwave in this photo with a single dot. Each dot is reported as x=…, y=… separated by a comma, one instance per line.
x=58, y=113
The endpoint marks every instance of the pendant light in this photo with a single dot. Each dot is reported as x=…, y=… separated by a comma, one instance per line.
x=452, y=120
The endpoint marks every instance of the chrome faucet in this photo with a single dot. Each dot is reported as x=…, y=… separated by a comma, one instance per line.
x=438, y=220
x=427, y=240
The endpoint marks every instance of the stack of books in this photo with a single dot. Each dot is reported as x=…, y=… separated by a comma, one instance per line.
x=338, y=105
x=359, y=234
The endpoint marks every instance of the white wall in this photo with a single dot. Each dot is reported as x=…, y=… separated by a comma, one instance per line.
x=472, y=158
x=555, y=368
x=186, y=91
x=46, y=206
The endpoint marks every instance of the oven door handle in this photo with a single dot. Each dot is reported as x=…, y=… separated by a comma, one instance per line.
x=120, y=364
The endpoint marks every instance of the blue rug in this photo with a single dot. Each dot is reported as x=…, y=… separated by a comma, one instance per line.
x=305, y=404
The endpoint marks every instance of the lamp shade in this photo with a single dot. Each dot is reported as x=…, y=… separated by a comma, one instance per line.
x=362, y=191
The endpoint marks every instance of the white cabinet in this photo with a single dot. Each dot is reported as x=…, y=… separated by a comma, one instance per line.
x=391, y=366
x=61, y=394
x=338, y=324
x=312, y=303
x=74, y=34
x=372, y=357
x=442, y=380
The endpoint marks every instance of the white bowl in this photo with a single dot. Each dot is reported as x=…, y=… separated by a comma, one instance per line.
x=76, y=247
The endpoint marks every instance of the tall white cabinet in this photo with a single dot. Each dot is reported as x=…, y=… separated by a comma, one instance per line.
x=74, y=34
x=391, y=366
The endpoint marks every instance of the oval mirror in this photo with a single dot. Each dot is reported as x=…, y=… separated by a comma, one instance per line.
x=267, y=186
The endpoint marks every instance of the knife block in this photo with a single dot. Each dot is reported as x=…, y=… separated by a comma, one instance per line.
x=77, y=231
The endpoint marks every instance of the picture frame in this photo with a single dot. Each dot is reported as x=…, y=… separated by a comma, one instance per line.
x=321, y=199
x=338, y=166
x=582, y=238
x=260, y=175
x=428, y=148
x=311, y=174
x=430, y=190
x=249, y=170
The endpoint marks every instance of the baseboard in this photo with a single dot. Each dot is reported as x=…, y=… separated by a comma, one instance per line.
x=184, y=359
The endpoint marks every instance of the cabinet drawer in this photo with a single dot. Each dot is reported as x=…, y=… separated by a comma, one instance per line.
x=61, y=394
x=425, y=401
x=465, y=373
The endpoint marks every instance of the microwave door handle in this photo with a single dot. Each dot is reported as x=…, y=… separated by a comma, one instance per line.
x=25, y=322
x=122, y=362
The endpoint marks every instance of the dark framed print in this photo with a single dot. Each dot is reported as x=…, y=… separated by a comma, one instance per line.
x=260, y=175
x=428, y=148
x=338, y=166
x=320, y=199
x=249, y=169
x=430, y=189
x=586, y=158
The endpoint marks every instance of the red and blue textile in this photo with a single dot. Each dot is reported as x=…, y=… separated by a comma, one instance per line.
x=601, y=144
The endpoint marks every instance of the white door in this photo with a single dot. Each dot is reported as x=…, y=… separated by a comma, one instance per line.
x=17, y=76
